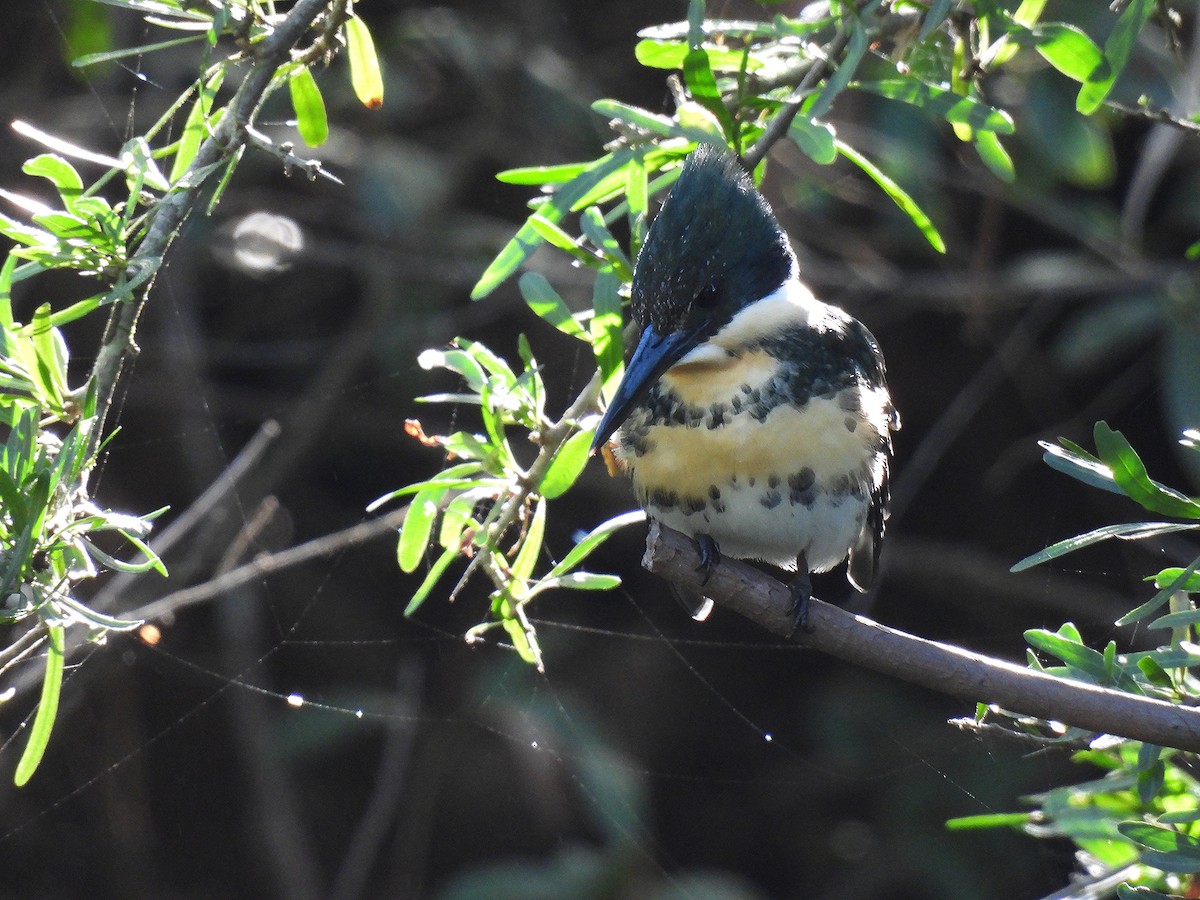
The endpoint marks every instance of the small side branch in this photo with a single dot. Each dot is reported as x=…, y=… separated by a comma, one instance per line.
x=939, y=667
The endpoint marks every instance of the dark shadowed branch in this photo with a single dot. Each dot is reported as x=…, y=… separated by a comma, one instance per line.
x=939, y=667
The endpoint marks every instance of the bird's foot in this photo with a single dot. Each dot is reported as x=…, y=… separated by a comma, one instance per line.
x=801, y=591
x=710, y=556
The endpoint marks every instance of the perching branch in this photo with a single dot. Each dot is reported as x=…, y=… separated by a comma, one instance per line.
x=940, y=667
x=228, y=140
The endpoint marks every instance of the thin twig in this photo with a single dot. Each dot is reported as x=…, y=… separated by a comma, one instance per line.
x=261, y=566
x=939, y=667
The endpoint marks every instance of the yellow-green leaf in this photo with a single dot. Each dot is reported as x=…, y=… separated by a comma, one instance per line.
x=43, y=722
x=365, y=74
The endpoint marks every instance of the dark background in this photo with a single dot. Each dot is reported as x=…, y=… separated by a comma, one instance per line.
x=656, y=757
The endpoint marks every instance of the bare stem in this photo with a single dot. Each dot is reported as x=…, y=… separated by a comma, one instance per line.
x=939, y=667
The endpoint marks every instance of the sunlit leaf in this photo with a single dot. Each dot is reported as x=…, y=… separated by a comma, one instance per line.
x=366, y=77
x=815, y=139
x=1130, y=532
x=311, y=120
x=941, y=102
x=91, y=59
x=856, y=48
x=994, y=156
x=1130, y=475
x=418, y=524
x=546, y=302
x=1117, y=50
x=594, y=539
x=431, y=579
x=899, y=196
x=567, y=465
x=43, y=722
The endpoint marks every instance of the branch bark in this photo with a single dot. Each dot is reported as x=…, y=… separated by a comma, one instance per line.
x=940, y=667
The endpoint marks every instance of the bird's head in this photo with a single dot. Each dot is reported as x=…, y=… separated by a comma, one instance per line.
x=714, y=249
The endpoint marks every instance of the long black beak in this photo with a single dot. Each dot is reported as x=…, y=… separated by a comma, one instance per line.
x=654, y=355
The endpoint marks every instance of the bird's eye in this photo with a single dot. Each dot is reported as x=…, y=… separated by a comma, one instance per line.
x=708, y=296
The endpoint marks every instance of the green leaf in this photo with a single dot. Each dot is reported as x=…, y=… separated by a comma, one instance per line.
x=607, y=343
x=418, y=524
x=91, y=59
x=1161, y=598
x=815, y=139
x=856, y=48
x=1132, y=892
x=546, y=302
x=195, y=130
x=934, y=17
x=1170, y=576
x=531, y=546
x=543, y=174
x=994, y=156
x=655, y=123
x=365, y=75
x=1074, y=654
x=1132, y=531
x=592, y=223
x=517, y=250
x=1130, y=475
x=990, y=820
x=1068, y=49
x=311, y=120
x=1155, y=673
x=1117, y=50
x=898, y=195
x=60, y=173
x=1073, y=460
x=43, y=722
x=566, y=466
x=637, y=197
x=582, y=581
x=660, y=54
x=703, y=86
x=593, y=539
x=942, y=102
x=1162, y=840
x=435, y=573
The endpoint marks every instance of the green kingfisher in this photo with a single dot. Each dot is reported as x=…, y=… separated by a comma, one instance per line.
x=752, y=417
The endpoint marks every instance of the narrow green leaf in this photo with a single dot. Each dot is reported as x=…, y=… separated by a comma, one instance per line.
x=543, y=174
x=567, y=465
x=43, y=722
x=1068, y=49
x=898, y=195
x=1076, y=655
x=1170, y=576
x=941, y=102
x=1117, y=50
x=606, y=330
x=581, y=581
x=637, y=197
x=815, y=139
x=994, y=156
x=856, y=49
x=989, y=820
x=593, y=539
x=554, y=236
x=659, y=54
x=60, y=173
x=435, y=574
x=1155, y=673
x=1160, y=599
x=592, y=223
x=91, y=59
x=531, y=546
x=418, y=524
x=93, y=618
x=702, y=84
x=546, y=302
x=51, y=365
x=934, y=17
x=1073, y=460
x=1164, y=840
x=311, y=120
x=195, y=129
x=366, y=77
x=1130, y=475
x=654, y=123
x=517, y=250
x=1132, y=531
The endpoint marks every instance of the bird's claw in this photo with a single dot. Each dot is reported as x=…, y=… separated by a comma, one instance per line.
x=710, y=556
x=801, y=591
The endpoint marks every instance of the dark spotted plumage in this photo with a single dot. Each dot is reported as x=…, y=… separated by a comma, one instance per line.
x=752, y=416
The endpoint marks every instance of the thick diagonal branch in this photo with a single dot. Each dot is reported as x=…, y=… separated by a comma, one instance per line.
x=940, y=667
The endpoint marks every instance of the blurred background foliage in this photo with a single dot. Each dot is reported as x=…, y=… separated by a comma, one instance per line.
x=656, y=756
